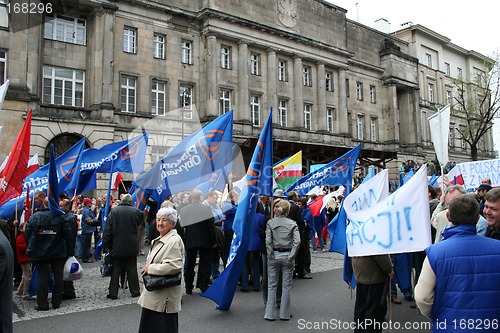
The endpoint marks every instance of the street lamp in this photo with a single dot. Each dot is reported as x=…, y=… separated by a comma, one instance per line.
x=185, y=99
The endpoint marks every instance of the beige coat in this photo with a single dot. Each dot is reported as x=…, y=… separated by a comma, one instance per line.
x=169, y=260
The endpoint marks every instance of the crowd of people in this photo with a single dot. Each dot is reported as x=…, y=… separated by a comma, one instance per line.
x=191, y=233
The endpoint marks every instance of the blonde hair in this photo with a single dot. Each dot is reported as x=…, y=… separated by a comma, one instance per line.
x=282, y=206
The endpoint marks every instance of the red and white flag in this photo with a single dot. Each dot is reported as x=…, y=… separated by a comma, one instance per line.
x=12, y=176
x=32, y=164
x=116, y=179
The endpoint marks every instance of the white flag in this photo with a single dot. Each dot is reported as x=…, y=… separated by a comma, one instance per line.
x=368, y=194
x=3, y=91
x=439, y=124
x=397, y=224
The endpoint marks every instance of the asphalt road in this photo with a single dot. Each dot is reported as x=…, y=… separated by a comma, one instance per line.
x=323, y=304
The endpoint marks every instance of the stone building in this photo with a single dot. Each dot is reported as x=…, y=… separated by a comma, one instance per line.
x=112, y=69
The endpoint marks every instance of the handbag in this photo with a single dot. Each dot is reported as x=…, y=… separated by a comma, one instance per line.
x=156, y=282
x=72, y=270
x=106, y=264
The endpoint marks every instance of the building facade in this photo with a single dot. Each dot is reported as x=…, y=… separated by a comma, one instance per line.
x=112, y=69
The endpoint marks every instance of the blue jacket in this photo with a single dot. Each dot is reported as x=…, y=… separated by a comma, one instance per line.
x=467, y=269
x=229, y=211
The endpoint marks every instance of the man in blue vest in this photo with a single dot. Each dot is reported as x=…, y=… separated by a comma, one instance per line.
x=458, y=286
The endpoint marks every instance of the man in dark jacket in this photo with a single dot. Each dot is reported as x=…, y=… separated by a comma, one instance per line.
x=6, y=273
x=120, y=238
x=492, y=213
x=65, y=204
x=303, y=259
x=47, y=236
x=198, y=222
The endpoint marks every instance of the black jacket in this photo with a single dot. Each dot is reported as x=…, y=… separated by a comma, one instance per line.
x=47, y=235
x=120, y=231
x=73, y=228
x=199, y=228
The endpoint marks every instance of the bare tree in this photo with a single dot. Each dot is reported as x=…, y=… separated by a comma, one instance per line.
x=477, y=103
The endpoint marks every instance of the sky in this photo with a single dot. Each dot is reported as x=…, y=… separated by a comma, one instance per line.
x=470, y=25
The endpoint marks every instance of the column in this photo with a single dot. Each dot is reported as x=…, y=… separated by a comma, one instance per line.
x=341, y=126
x=394, y=111
x=321, y=116
x=417, y=117
x=212, y=91
x=297, y=116
x=271, y=83
x=243, y=102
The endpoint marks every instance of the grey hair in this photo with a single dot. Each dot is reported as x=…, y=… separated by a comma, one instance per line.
x=168, y=212
x=127, y=198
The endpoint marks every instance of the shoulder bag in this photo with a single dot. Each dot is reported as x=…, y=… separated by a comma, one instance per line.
x=156, y=282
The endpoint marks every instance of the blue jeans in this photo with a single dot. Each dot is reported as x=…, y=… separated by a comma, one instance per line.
x=282, y=264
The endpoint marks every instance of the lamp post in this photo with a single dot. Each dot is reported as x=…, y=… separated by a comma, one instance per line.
x=183, y=105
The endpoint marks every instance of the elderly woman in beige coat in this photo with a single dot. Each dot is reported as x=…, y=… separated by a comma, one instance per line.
x=160, y=308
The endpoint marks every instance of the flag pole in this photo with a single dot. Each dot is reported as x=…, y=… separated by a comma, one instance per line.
x=17, y=226
x=124, y=188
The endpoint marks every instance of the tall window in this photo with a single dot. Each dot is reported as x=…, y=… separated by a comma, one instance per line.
x=306, y=76
x=255, y=64
x=307, y=116
x=158, y=100
x=4, y=16
x=359, y=91
x=329, y=81
x=447, y=68
x=448, y=97
x=65, y=29
x=255, y=109
x=282, y=72
x=3, y=66
x=373, y=129
x=430, y=90
x=225, y=57
x=459, y=71
x=63, y=86
x=428, y=59
x=128, y=88
x=373, y=94
x=452, y=136
x=282, y=110
x=330, y=114
x=158, y=46
x=186, y=101
x=360, y=122
x=129, y=40
x=224, y=101
x=186, y=53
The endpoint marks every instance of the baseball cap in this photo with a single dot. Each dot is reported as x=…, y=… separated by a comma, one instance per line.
x=87, y=200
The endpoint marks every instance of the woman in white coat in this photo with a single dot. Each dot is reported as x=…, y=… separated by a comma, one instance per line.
x=160, y=308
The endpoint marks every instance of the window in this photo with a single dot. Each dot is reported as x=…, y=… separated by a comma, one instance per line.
x=347, y=93
x=255, y=109
x=158, y=100
x=430, y=90
x=462, y=140
x=459, y=71
x=128, y=93
x=447, y=68
x=282, y=111
x=361, y=120
x=186, y=101
x=307, y=116
x=306, y=76
x=373, y=94
x=329, y=81
x=65, y=29
x=255, y=64
x=186, y=54
x=63, y=86
x=448, y=97
x=452, y=137
x=129, y=40
x=428, y=59
x=224, y=101
x=282, y=73
x=3, y=66
x=373, y=129
x=225, y=57
x=4, y=16
x=158, y=46
x=330, y=116
x=359, y=91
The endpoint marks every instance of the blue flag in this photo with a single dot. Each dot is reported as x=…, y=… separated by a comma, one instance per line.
x=192, y=161
x=219, y=178
x=53, y=186
x=337, y=172
x=105, y=212
x=433, y=181
x=258, y=181
x=127, y=156
x=66, y=164
x=139, y=197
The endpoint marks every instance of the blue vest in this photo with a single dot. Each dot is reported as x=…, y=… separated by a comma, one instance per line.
x=467, y=292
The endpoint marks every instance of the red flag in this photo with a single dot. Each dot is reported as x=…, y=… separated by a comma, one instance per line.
x=12, y=176
x=116, y=179
x=316, y=207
